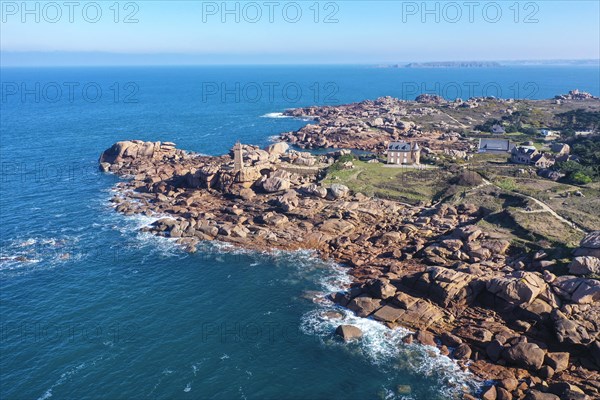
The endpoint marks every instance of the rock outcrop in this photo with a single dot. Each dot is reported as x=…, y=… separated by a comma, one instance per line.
x=587, y=260
x=348, y=332
x=434, y=270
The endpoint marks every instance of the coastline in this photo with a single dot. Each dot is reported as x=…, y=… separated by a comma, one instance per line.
x=430, y=269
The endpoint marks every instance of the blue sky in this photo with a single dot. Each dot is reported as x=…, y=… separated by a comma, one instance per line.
x=355, y=32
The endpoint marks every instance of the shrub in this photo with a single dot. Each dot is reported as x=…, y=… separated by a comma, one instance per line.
x=339, y=164
x=579, y=178
x=346, y=158
x=467, y=178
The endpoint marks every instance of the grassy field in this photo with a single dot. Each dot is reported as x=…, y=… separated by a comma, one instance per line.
x=409, y=185
x=582, y=210
x=519, y=219
x=508, y=212
x=561, y=197
x=543, y=226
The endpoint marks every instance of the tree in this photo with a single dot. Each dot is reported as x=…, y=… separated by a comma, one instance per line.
x=568, y=133
x=580, y=120
x=579, y=178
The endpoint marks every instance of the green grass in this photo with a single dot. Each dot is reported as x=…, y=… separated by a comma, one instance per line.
x=544, y=226
x=489, y=157
x=410, y=185
x=506, y=215
x=581, y=210
x=507, y=184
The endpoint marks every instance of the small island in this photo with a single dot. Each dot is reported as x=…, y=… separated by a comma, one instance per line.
x=472, y=223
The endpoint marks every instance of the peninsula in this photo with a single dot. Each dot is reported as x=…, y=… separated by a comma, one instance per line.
x=472, y=223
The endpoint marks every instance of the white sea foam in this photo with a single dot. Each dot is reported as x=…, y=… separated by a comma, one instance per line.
x=188, y=387
x=242, y=395
x=23, y=255
x=381, y=346
x=46, y=395
x=68, y=374
x=279, y=115
x=275, y=115
x=130, y=227
x=27, y=242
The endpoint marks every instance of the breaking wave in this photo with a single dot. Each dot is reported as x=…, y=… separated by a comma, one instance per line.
x=275, y=115
x=381, y=346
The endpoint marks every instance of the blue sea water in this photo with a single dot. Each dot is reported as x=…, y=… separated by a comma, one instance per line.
x=92, y=308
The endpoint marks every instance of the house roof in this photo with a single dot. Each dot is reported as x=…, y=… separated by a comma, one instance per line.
x=494, y=144
x=401, y=146
x=525, y=150
x=540, y=157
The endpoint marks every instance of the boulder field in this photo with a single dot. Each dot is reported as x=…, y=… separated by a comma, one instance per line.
x=527, y=328
x=372, y=124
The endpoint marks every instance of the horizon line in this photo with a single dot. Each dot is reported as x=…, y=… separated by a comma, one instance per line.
x=11, y=58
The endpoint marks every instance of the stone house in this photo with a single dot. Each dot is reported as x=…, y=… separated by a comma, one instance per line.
x=529, y=155
x=542, y=160
x=403, y=153
x=523, y=154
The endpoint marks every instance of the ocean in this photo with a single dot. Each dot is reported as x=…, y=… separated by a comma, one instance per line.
x=92, y=308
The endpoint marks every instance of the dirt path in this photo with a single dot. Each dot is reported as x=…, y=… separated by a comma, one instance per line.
x=455, y=120
x=545, y=207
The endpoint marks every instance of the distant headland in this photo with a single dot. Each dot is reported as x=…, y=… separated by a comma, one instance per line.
x=491, y=64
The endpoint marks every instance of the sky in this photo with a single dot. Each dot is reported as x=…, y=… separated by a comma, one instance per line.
x=295, y=32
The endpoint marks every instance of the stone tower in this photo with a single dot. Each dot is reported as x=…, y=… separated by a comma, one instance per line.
x=238, y=161
x=416, y=153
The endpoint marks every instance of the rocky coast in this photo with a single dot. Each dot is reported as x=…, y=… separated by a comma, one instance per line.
x=438, y=124
x=526, y=328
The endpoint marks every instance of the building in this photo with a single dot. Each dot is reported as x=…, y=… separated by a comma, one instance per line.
x=529, y=155
x=403, y=153
x=542, y=160
x=498, y=129
x=238, y=160
x=495, y=146
x=523, y=154
x=560, y=148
